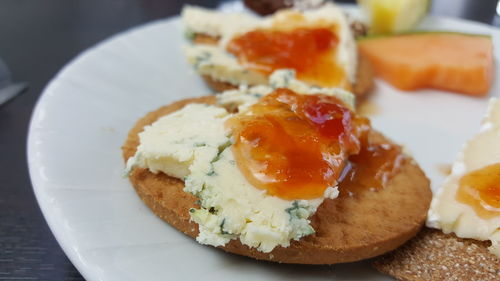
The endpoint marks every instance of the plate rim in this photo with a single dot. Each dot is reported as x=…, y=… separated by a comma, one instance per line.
x=36, y=185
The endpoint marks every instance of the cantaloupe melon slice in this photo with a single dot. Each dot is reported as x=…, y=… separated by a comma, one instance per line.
x=443, y=60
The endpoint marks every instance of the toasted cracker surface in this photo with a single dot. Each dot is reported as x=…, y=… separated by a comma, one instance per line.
x=347, y=229
x=433, y=255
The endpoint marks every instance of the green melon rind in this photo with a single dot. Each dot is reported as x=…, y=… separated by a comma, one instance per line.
x=419, y=32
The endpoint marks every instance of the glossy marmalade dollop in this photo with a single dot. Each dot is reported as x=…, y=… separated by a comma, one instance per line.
x=309, y=51
x=295, y=146
x=373, y=167
x=480, y=189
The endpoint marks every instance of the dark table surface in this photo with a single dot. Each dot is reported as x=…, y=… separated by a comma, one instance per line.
x=36, y=39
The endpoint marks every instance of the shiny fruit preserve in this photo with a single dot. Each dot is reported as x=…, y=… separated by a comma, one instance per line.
x=481, y=190
x=296, y=146
x=309, y=51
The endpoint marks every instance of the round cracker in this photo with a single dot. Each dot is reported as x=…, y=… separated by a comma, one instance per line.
x=347, y=228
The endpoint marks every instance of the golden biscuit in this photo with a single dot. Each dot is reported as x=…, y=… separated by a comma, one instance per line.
x=347, y=228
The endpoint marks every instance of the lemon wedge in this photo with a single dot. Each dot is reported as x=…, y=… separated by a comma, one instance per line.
x=390, y=16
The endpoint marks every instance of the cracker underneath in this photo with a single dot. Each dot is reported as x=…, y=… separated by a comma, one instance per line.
x=433, y=255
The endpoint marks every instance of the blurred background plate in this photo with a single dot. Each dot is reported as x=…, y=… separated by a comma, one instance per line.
x=83, y=117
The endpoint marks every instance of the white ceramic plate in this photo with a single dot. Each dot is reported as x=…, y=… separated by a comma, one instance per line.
x=83, y=117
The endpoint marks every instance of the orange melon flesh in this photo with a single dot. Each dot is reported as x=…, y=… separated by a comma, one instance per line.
x=447, y=61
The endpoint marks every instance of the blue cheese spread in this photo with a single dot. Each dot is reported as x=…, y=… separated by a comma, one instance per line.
x=192, y=144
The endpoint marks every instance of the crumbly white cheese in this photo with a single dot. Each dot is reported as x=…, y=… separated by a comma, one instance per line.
x=285, y=78
x=451, y=215
x=215, y=23
x=210, y=60
x=238, y=209
x=226, y=26
x=182, y=143
x=243, y=97
x=193, y=144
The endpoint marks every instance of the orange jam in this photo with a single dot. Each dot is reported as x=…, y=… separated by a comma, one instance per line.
x=295, y=146
x=481, y=190
x=310, y=51
x=372, y=168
